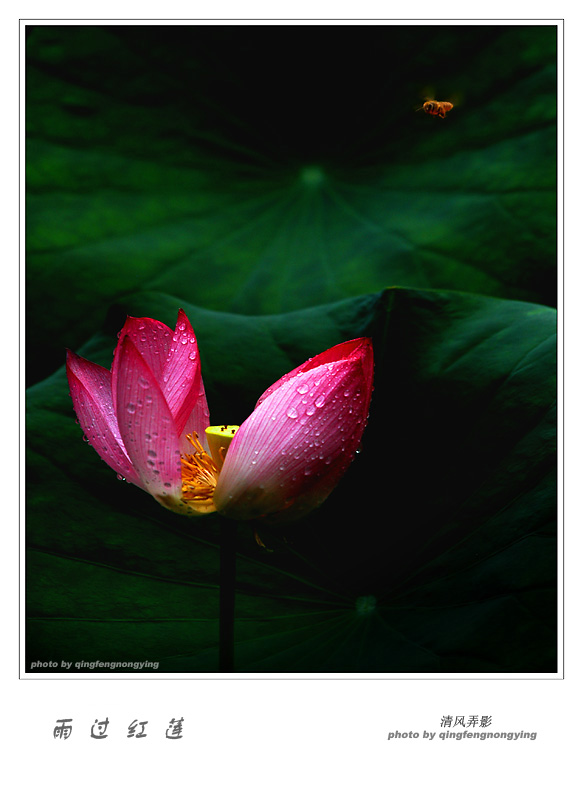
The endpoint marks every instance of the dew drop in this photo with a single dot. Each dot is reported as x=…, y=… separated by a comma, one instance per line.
x=145, y=384
x=152, y=453
x=310, y=411
x=168, y=484
x=120, y=478
x=319, y=401
x=292, y=413
x=302, y=389
x=130, y=408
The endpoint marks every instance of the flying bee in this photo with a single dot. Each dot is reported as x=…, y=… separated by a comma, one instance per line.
x=436, y=108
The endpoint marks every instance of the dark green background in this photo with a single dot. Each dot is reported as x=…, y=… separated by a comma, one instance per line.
x=273, y=181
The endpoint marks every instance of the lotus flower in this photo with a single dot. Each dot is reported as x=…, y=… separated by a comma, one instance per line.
x=148, y=419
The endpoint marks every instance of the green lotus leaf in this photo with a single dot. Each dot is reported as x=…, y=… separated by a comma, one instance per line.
x=265, y=169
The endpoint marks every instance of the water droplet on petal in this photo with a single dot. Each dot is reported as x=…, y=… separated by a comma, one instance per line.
x=130, y=408
x=302, y=389
x=320, y=400
x=143, y=382
x=292, y=413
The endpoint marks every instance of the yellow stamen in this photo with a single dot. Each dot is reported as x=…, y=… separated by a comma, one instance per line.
x=200, y=471
x=199, y=474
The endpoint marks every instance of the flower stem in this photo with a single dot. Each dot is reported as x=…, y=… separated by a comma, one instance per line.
x=227, y=595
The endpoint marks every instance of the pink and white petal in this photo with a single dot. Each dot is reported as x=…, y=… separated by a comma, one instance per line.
x=152, y=340
x=293, y=449
x=197, y=422
x=146, y=424
x=353, y=349
x=90, y=387
x=182, y=382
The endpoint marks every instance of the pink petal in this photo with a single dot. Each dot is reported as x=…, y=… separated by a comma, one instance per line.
x=152, y=340
x=145, y=423
x=291, y=452
x=350, y=350
x=182, y=384
x=90, y=387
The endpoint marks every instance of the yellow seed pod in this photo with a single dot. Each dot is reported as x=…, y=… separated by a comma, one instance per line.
x=219, y=437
